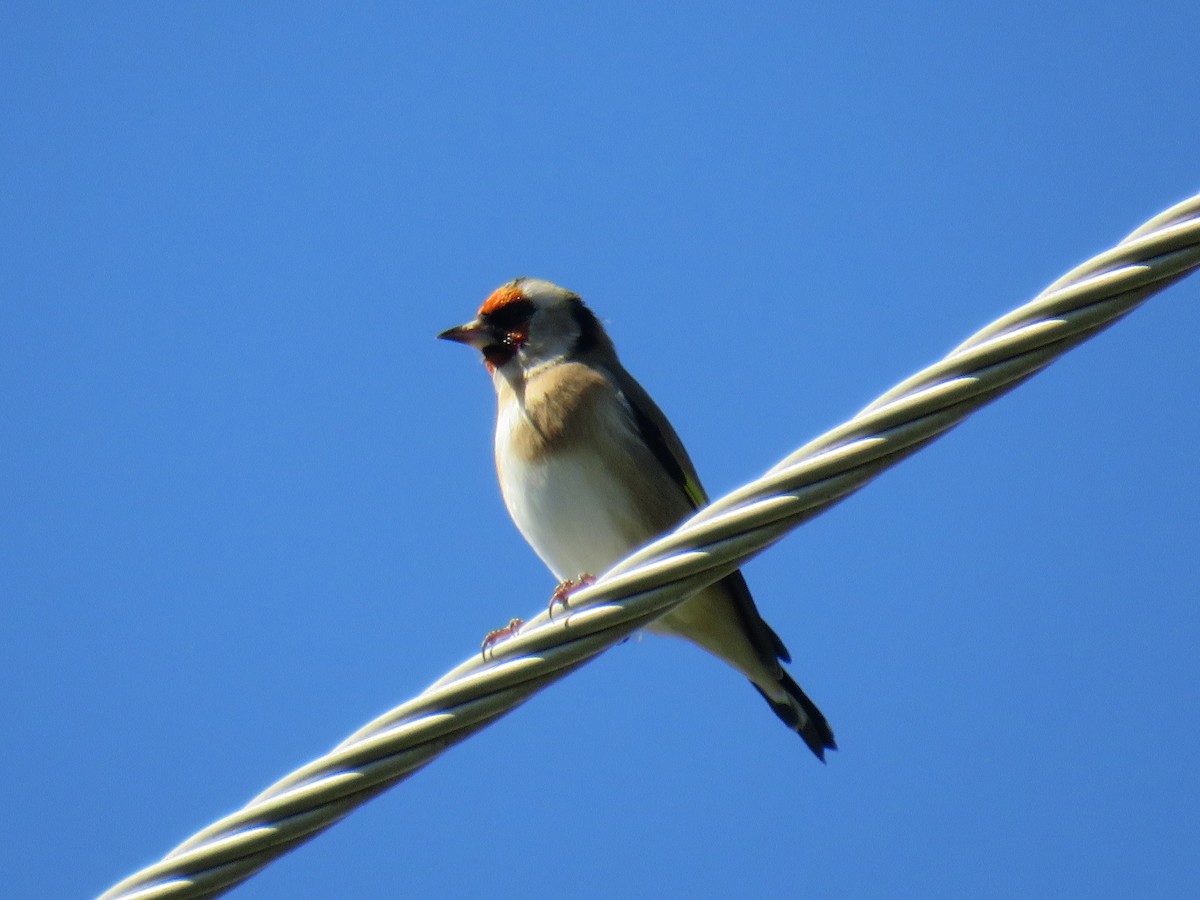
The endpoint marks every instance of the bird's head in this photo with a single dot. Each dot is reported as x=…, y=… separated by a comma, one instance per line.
x=528, y=323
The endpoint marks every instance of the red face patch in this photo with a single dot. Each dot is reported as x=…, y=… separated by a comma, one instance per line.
x=500, y=298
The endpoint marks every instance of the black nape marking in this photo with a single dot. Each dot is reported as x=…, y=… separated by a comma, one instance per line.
x=589, y=326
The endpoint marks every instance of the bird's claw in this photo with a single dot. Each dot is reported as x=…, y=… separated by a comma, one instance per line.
x=563, y=592
x=500, y=634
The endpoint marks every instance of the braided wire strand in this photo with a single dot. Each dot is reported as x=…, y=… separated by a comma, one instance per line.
x=654, y=579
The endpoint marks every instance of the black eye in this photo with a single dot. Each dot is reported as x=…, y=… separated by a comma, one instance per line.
x=510, y=315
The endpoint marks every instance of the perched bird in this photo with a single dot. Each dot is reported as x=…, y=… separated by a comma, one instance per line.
x=591, y=469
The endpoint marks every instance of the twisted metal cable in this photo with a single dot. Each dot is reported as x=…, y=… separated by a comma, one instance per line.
x=649, y=582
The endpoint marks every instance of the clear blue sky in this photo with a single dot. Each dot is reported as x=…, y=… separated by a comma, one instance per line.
x=247, y=501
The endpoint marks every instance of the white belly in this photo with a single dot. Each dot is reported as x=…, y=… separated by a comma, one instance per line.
x=580, y=516
x=572, y=511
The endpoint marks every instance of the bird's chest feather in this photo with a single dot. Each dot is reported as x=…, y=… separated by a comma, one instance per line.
x=576, y=517
x=576, y=480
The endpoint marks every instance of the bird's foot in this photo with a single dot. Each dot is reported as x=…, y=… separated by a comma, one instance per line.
x=500, y=634
x=563, y=592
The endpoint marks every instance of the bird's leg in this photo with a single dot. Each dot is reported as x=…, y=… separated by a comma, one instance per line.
x=500, y=634
x=563, y=592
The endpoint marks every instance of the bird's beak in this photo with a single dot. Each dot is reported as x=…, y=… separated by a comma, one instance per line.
x=474, y=334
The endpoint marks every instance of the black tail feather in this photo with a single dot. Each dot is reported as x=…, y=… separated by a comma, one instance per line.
x=808, y=721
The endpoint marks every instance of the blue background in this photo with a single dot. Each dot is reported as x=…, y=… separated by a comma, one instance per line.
x=247, y=501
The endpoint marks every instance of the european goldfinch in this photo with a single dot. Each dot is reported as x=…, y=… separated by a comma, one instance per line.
x=591, y=469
